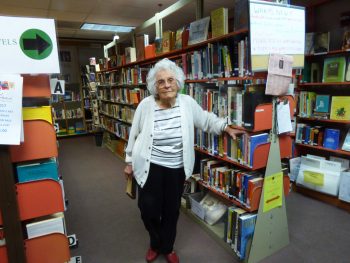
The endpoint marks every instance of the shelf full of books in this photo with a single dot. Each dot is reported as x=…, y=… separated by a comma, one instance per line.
x=323, y=124
x=68, y=111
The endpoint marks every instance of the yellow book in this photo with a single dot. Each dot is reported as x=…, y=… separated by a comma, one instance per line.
x=219, y=22
x=37, y=113
x=168, y=41
x=340, y=109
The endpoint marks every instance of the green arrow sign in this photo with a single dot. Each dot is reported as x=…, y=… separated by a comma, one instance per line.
x=36, y=44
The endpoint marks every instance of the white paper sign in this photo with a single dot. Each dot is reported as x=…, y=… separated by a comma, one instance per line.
x=10, y=109
x=57, y=86
x=28, y=45
x=283, y=118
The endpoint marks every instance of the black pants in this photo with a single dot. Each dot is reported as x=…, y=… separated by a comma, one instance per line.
x=159, y=202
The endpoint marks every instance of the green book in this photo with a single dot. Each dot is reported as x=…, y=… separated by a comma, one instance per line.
x=334, y=69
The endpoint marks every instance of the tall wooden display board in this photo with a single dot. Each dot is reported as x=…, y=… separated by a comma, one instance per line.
x=271, y=228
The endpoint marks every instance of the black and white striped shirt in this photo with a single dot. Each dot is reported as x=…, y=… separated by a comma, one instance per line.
x=167, y=137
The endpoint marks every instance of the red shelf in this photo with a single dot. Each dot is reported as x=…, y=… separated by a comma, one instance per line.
x=261, y=153
x=53, y=248
x=179, y=52
x=324, y=84
x=323, y=149
x=323, y=120
x=3, y=254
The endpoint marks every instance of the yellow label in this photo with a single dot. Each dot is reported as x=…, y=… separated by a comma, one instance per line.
x=314, y=178
x=273, y=187
x=37, y=113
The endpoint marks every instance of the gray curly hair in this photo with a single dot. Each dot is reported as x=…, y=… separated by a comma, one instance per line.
x=164, y=64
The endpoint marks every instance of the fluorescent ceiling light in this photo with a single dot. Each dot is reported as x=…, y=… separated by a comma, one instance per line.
x=111, y=28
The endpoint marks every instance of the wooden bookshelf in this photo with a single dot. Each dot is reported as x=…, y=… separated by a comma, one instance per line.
x=341, y=152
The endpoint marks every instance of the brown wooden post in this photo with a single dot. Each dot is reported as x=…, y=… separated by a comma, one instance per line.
x=9, y=209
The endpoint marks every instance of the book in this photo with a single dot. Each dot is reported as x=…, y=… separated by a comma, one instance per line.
x=321, y=42
x=340, y=108
x=246, y=231
x=141, y=42
x=131, y=187
x=347, y=72
x=241, y=15
x=130, y=54
x=309, y=43
x=150, y=51
x=316, y=74
x=254, y=141
x=344, y=186
x=50, y=224
x=199, y=30
x=334, y=69
x=168, y=41
x=331, y=138
x=178, y=38
x=322, y=104
x=37, y=171
x=158, y=45
x=346, y=143
x=219, y=22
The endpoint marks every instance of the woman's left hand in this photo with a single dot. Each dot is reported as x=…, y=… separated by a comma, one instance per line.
x=234, y=132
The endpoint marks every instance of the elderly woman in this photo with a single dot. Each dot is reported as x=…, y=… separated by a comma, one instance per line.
x=160, y=153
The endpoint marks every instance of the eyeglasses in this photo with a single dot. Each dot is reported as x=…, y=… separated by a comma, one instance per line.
x=162, y=82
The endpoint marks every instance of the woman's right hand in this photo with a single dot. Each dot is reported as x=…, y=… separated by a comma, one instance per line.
x=128, y=171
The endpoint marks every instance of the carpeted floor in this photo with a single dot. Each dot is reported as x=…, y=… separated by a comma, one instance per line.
x=109, y=228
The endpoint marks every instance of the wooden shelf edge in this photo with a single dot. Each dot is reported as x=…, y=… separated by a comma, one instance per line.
x=323, y=149
x=178, y=52
x=345, y=83
x=329, y=199
x=322, y=120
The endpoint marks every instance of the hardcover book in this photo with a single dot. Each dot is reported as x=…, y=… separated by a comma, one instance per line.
x=347, y=72
x=246, y=231
x=346, y=143
x=331, y=138
x=219, y=22
x=178, y=38
x=168, y=41
x=334, y=69
x=322, y=104
x=340, y=109
x=321, y=42
x=199, y=30
x=131, y=186
x=316, y=75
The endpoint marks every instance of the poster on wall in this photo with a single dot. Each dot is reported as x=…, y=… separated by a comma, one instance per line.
x=10, y=109
x=276, y=29
x=28, y=45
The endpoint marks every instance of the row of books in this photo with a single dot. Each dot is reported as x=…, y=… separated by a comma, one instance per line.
x=217, y=60
x=240, y=150
x=123, y=95
x=331, y=69
x=118, y=112
x=59, y=114
x=324, y=106
x=235, y=102
x=239, y=229
x=318, y=136
x=236, y=183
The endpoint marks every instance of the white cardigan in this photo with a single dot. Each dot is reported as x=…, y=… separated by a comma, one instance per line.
x=138, y=151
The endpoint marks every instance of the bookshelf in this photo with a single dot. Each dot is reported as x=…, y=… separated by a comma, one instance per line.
x=90, y=103
x=115, y=91
x=23, y=200
x=304, y=144
x=68, y=111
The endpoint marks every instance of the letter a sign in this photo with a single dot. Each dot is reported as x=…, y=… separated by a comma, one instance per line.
x=57, y=86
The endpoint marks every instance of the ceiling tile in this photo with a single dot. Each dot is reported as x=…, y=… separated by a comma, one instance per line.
x=41, y=4
x=67, y=16
x=113, y=20
x=81, y=6
x=22, y=11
